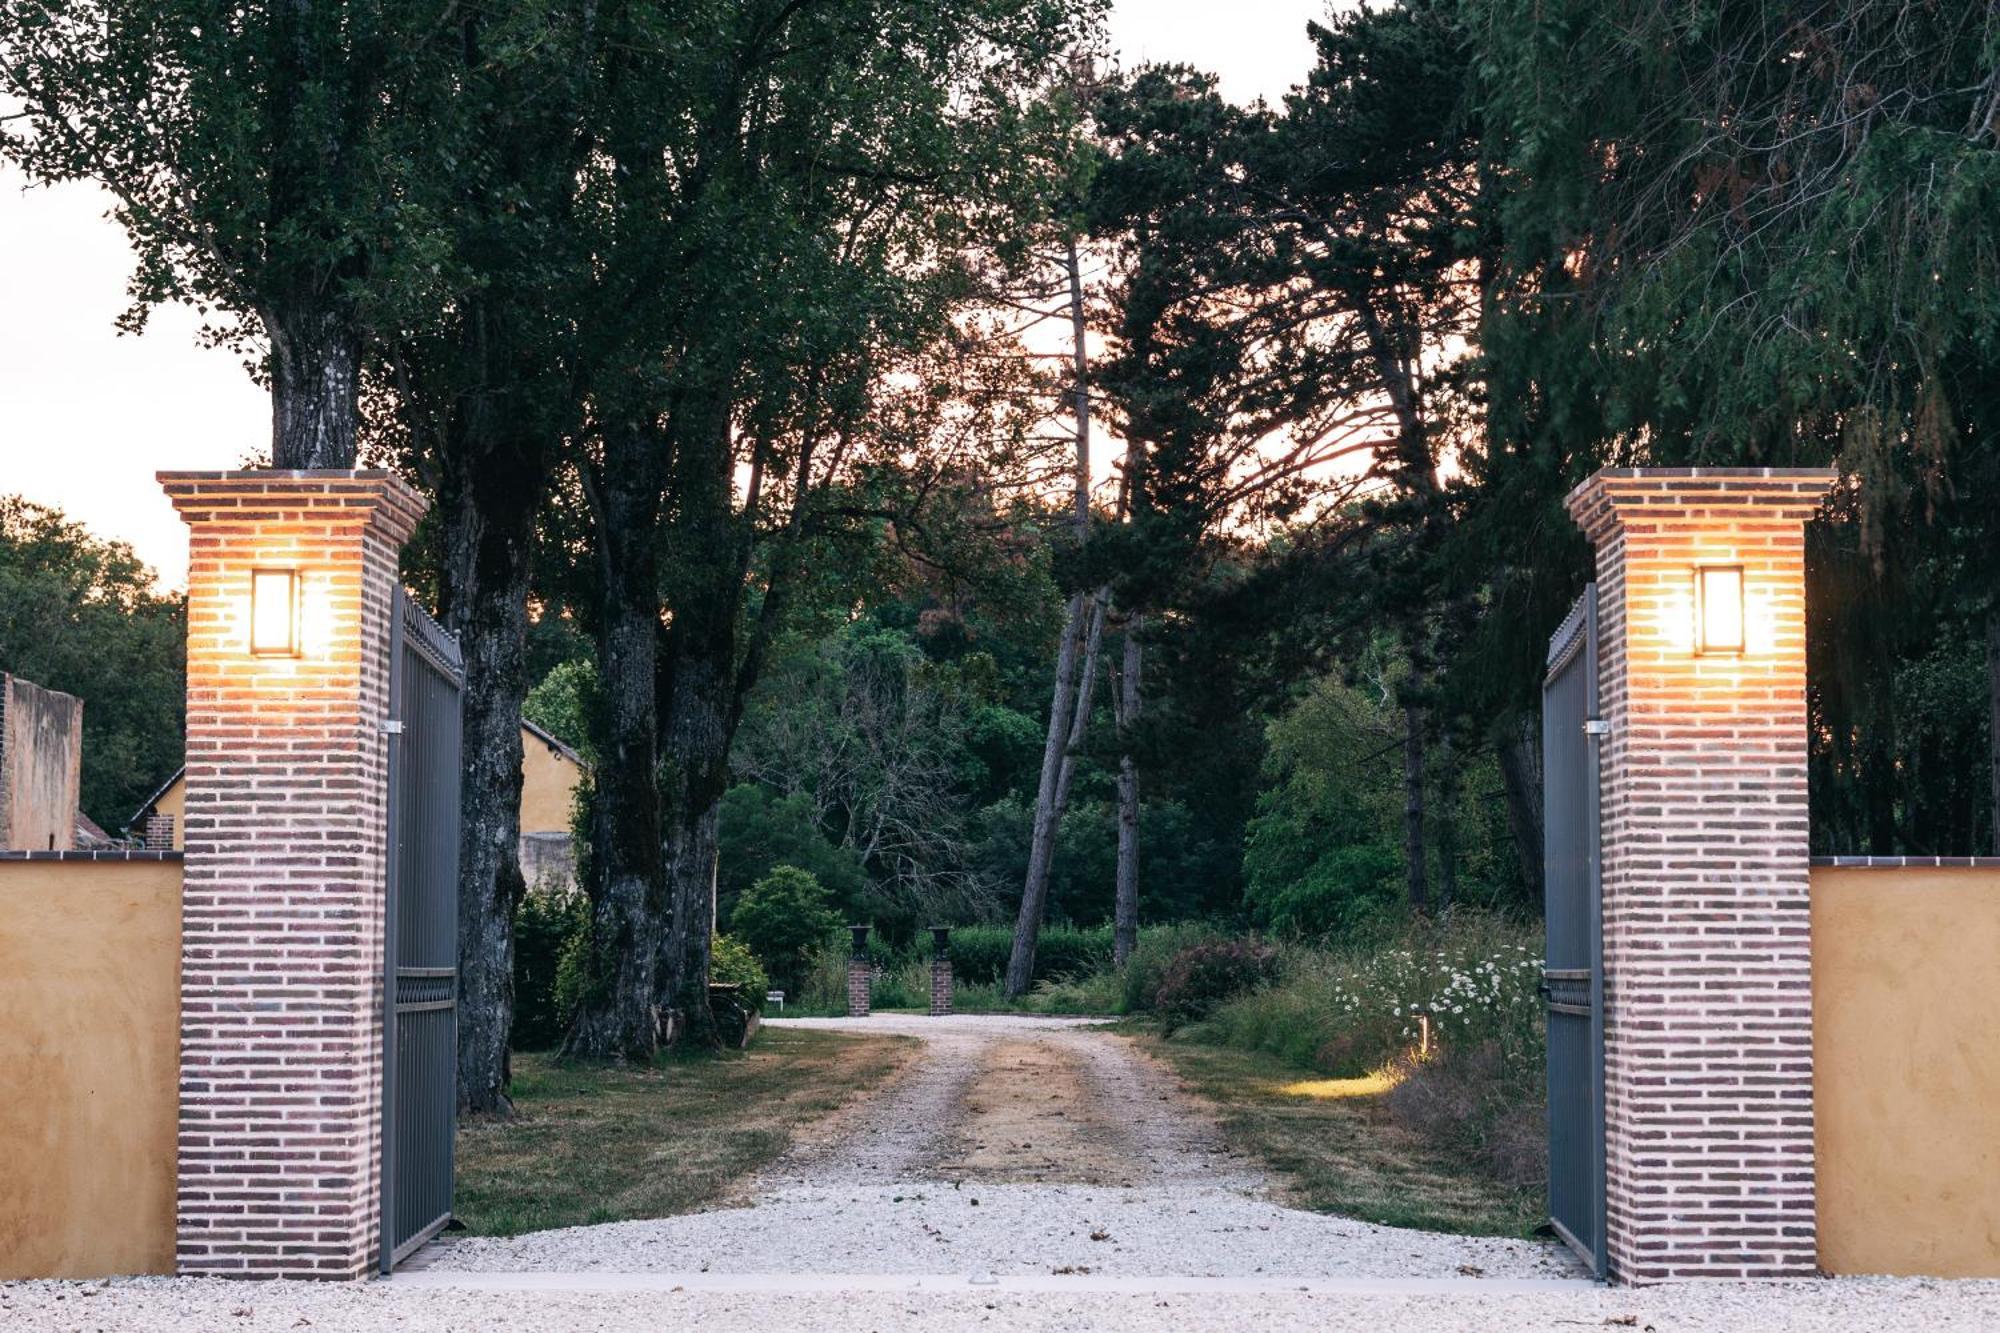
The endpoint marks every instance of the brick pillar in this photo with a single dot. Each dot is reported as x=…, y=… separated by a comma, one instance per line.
x=159, y=833
x=285, y=873
x=940, y=971
x=1707, y=962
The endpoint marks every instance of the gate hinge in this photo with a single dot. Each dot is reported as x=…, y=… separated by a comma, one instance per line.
x=392, y=727
x=1596, y=726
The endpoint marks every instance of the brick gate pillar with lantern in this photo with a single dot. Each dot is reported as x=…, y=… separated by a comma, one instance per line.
x=291, y=581
x=1708, y=1060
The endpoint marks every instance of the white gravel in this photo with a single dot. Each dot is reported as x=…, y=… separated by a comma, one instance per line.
x=875, y=1227
x=882, y=1197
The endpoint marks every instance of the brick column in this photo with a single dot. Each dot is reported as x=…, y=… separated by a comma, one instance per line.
x=1707, y=963
x=285, y=874
x=940, y=971
x=860, y=975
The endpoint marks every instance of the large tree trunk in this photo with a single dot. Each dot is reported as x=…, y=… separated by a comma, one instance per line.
x=315, y=387
x=490, y=488
x=697, y=699
x=1125, y=911
x=1413, y=808
x=1521, y=780
x=627, y=878
x=1993, y=716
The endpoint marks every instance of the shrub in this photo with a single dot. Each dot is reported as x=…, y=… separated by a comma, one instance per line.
x=730, y=963
x=1358, y=1009
x=1157, y=947
x=781, y=918
x=1201, y=977
x=979, y=954
x=544, y=923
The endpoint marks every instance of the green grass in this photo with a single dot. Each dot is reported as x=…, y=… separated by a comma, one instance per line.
x=596, y=1143
x=1343, y=1154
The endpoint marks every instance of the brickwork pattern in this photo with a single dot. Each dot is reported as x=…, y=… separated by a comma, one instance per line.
x=1707, y=952
x=285, y=875
x=860, y=987
x=940, y=987
x=159, y=833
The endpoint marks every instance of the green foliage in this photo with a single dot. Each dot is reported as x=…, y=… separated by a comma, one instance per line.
x=780, y=918
x=1203, y=976
x=1358, y=1009
x=730, y=963
x=563, y=702
x=979, y=953
x=81, y=615
x=761, y=831
x=545, y=928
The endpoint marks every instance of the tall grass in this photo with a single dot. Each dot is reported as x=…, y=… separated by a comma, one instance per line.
x=1353, y=1010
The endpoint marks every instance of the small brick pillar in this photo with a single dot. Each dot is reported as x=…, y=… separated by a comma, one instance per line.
x=860, y=975
x=1707, y=954
x=285, y=831
x=159, y=833
x=940, y=971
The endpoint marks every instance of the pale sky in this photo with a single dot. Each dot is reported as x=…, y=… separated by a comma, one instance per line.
x=87, y=416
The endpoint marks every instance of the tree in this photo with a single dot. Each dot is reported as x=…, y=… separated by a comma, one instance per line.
x=782, y=917
x=261, y=160
x=81, y=615
x=776, y=256
x=1761, y=234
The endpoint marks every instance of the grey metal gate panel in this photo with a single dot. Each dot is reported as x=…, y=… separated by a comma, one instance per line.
x=1573, y=970
x=420, y=981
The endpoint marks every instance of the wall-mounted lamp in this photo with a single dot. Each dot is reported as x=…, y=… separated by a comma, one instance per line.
x=274, y=612
x=1718, y=609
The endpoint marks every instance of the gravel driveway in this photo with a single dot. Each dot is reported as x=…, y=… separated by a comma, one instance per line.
x=1023, y=1173
x=1014, y=1146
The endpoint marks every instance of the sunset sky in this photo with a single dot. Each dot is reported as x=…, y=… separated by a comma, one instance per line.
x=87, y=416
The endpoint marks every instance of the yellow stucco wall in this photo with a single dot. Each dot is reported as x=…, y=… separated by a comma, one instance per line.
x=1906, y=1034
x=548, y=779
x=89, y=1065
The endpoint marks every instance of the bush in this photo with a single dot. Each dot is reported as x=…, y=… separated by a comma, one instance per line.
x=782, y=917
x=1157, y=947
x=730, y=963
x=1202, y=977
x=544, y=923
x=979, y=954
x=1355, y=1010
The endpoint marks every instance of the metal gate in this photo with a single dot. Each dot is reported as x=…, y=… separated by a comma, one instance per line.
x=1573, y=970
x=420, y=982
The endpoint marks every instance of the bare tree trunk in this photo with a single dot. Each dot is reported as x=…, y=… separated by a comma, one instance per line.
x=1041, y=841
x=1066, y=719
x=1993, y=713
x=1521, y=780
x=627, y=878
x=315, y=387
x=1413, y=807
x=1125, y=912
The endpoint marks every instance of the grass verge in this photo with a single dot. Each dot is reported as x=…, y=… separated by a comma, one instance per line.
x=1333, y=1147
x=596, y=1143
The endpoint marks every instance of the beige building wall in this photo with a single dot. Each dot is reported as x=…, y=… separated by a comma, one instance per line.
x=41, y=766
x=1906, y=1036
x=89, y=1056
x=548, y=785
